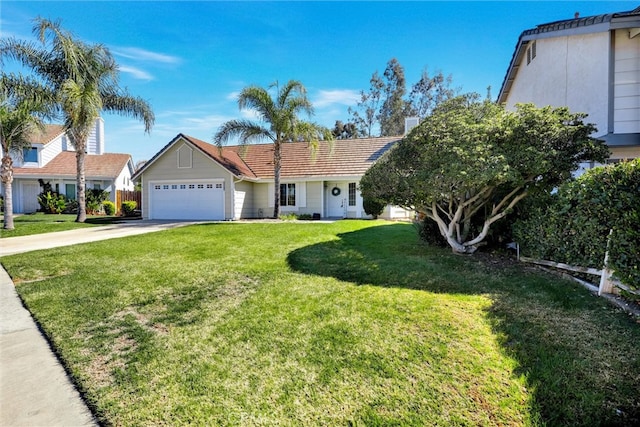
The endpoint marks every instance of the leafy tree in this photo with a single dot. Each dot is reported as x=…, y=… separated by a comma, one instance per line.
x=344, y=130
x=280, y=123
x=85, y=79
x=472, y=162
x=394, y=108
x=24, y=103
x=370, y=104
x=429, y=92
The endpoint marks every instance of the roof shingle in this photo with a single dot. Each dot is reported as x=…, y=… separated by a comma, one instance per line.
x=108, y=165
x=346, y=157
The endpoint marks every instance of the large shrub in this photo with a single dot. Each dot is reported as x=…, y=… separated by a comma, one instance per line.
x=109, y=207
x=573, y=225
x=373, y=207
x=52, y=202
x=129, y=207
x=94, y=200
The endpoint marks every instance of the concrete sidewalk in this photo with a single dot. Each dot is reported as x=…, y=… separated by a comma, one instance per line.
x=34, y=387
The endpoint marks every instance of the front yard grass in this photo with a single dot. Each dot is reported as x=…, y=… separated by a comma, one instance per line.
x=350, y=323
x=39, y=223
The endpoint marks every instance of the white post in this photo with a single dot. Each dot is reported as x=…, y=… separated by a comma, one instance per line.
x=606, y=286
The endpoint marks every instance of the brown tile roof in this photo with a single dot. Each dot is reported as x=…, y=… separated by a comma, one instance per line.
x=347, y=157
x=108, y=165
x=49, y=134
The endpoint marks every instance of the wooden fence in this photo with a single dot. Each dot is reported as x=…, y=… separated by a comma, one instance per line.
x=124, y=196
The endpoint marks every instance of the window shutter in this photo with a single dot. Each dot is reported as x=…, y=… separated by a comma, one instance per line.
x=270, y=188
x=301, y=189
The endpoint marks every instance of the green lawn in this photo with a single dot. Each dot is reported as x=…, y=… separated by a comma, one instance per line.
x=38, y=223
x=350, y=323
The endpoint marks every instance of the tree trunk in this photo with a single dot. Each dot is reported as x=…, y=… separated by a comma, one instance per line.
x=80, y=183
x=277, y=154
x=7, y=183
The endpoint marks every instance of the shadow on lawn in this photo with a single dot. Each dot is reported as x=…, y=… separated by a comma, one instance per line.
x=580, y=357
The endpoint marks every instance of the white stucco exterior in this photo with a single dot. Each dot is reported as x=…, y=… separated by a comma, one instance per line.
x=567, y=71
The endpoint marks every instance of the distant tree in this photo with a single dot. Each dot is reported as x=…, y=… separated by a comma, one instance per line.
x=368, y=105
x=471, y=162
x=24, y=103
x=85, y=79
x=280, y=123
x=344, y=130
x=394, y=108
x=429, y=92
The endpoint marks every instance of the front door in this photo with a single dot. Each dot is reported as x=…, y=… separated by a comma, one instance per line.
x=337, y=200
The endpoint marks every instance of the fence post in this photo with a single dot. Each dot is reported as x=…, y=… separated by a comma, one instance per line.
x=606, y=285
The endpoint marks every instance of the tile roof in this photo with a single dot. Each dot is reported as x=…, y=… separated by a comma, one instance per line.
x=108, y=165
x=346, y=157
x=50, y=133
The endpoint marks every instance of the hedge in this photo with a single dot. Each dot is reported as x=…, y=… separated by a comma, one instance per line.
x=573, y=225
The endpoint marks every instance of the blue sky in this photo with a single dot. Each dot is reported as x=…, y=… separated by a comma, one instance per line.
x=190, y=59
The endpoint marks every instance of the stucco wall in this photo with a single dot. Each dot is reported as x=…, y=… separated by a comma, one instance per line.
x=567, y=71
x=202, y=167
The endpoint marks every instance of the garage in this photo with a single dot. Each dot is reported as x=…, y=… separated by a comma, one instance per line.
x=192, y=200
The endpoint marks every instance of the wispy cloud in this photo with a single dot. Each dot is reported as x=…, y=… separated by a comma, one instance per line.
x=326, y=98
x=139, y=54
x=136, y=72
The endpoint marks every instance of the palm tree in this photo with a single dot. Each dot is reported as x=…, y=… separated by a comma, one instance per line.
x=280, y=123
x=24, y=103
x=85, y=80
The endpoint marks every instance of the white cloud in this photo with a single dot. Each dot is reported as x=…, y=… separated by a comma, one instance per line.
x=136, y=72
x=145, y=55
x=326, y=98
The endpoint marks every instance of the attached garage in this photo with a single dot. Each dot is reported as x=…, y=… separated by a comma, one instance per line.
x=187, y=199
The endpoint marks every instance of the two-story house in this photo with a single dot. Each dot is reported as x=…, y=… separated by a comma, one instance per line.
x=52, y=160
x=590, y=65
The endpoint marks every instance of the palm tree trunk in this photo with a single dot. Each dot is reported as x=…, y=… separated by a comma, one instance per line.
x=7, y=181
x=277, y=157
x=80, y=183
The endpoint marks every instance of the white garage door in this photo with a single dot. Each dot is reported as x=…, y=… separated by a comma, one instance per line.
x=197, y=200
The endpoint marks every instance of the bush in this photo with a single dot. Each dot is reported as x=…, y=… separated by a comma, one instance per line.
x=94, y=199
x=52, y=202
x=429, y=232
x=305, y=217
x=129, y=207
x=373, y=207
x=288, y=217
x=109, y=207
x=573, y=226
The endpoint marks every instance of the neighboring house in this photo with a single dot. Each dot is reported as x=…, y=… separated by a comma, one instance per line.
x=191, y=179
x=52, y=160
x=590, y=65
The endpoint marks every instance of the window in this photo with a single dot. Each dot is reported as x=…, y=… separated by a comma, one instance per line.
x=218, y=185
x=70, y=191
x=183, y=186
x=165, y=187
x=352, y=194
x=287, y=194
x=157, y=187
x=174, y=186
x=30, y=155
x=200, y=186
x=192, y=186
x=209, y=185
x=531, y=52
x=96, y=186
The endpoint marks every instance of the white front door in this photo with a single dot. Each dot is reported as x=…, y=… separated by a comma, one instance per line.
x=337, y=200
x=29, y=195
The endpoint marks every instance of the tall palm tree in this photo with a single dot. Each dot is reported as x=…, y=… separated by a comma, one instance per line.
x=85, y=80
x=24, y=103
x=280, y=123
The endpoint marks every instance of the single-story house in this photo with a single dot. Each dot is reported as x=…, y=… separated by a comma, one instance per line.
x=52, y=160
x=192, y=179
